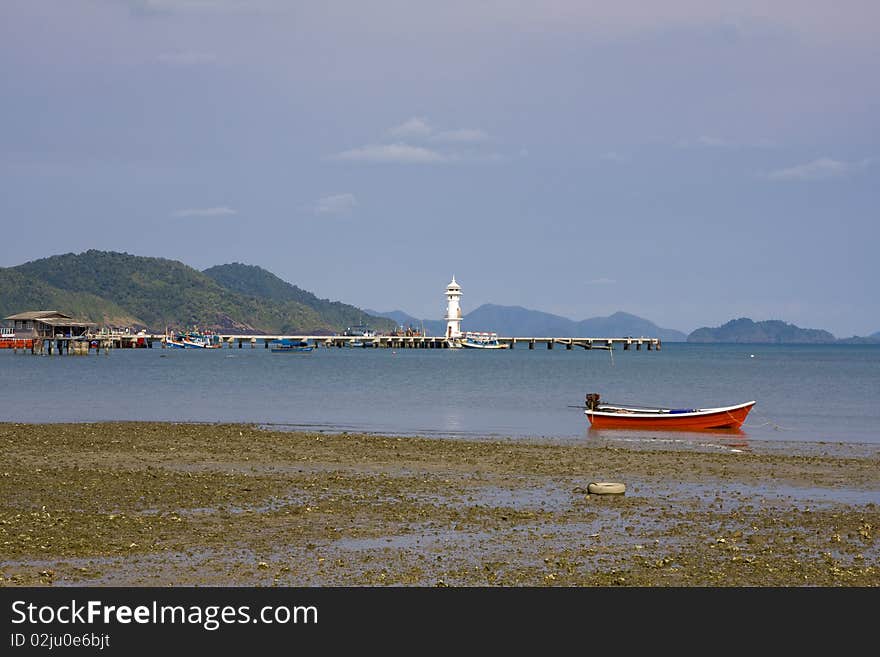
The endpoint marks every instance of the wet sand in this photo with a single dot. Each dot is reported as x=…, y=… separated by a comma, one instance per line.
x=162, y=504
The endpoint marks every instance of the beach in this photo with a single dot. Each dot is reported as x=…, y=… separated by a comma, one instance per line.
x=165, y=504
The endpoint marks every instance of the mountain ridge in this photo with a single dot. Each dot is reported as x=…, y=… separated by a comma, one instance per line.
x=516, y=321
x=152, y=293
x=120, y=289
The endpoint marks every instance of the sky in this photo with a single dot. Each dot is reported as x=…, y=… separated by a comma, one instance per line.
x=690, y=161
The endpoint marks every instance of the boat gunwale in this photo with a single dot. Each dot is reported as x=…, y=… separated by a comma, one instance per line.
x=637, y=413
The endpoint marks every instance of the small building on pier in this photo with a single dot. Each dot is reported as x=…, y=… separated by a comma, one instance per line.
x=47, y=325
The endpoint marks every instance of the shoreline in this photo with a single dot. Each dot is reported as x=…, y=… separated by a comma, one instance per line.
x=169, y=504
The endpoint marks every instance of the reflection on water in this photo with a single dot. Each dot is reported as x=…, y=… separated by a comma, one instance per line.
x=731, y=439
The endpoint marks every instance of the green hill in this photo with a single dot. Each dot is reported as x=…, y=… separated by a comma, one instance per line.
x=153, y=293
x=745, y=330
x=20, y=292
x=254, y=281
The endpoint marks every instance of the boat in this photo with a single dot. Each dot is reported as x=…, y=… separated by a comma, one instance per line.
x=603, y=415
x=173, y=342
x=195, y=340
x=192, y=340
x=475, y=340
x=359, y=331
x=286, y=346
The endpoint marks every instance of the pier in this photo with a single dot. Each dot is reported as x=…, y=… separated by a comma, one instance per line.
x=49, y=331
x=424, y=342
x=102, y=342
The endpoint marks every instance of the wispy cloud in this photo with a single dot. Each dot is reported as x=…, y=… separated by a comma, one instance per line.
x=417, y=141
x=336, y=204
x=415, y=127
x=204, y=212
x=419, y=128
x=187, y=58
x=601, y=281
x=462, y=136
x=612, y=156
x=823, y=168
x=393, y=153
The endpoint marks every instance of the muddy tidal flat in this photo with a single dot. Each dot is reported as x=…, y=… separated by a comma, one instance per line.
x=163, y=504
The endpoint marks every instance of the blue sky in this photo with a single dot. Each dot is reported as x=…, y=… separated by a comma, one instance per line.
x=689, y=163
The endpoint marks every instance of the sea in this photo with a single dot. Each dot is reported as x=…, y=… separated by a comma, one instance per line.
x=807, y=395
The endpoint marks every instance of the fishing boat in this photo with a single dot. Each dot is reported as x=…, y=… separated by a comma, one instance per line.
x=603, y=415
x=195, y=340
x=290, y=346
x=192, y=340
x=173, y=342
x=475, y=340
x=359, y=331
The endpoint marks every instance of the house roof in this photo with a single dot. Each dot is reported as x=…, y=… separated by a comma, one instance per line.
x=40, y=314
x=65, y=322
x=49, y=317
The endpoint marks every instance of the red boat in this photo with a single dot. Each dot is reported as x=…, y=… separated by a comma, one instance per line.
x=610, y=416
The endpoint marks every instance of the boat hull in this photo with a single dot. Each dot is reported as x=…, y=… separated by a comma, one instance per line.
x=200, y=344
x=290, y=346
x=729, y=417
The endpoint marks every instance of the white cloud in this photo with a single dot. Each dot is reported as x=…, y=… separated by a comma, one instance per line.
x=336, y=204
x=412, y=128
x=393, y=153
x=187, y=58
x=205, y=212
x=612, y=156
x=419, y=128
x=601, y=281
x=439, y=145
x=823, y=168
x=464, y=135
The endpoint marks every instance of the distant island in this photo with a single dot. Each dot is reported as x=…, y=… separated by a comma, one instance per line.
x=122, y=290
x=770, y=331
x=874, y=338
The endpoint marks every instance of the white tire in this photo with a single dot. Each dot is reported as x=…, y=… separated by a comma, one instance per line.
x=606, y=488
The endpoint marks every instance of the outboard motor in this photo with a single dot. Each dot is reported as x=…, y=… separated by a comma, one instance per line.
x=592, y=400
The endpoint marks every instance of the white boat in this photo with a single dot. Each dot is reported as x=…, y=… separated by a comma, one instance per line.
x=476, y=340
x=193, y=340
x=361, y=331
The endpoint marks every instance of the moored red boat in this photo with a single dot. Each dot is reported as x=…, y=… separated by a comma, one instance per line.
x=612, y=416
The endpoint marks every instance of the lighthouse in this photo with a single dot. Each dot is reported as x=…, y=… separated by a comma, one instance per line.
x=453, y=310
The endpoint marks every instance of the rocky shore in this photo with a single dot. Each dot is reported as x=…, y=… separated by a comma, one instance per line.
x=162, y=504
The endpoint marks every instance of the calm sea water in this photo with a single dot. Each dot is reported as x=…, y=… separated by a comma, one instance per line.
x=824, y=393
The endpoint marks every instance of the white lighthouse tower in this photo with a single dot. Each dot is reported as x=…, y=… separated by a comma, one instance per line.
x=453, y=311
